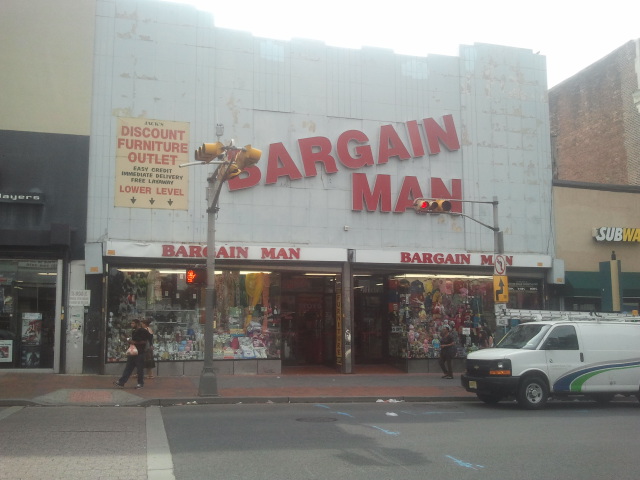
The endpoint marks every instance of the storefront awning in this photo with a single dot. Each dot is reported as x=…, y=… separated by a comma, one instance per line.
x=588, y=284
x=630, y=284
x=582, y=284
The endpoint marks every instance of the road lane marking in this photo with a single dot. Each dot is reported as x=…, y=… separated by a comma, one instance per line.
x=159, y=460
x=9, y=411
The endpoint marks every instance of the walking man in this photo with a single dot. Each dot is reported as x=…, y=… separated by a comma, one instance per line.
x=139, y=338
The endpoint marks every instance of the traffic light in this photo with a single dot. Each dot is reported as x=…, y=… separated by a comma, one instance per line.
x=430, y=205
x=248, y=156
x=196, y=276
x=209, y=151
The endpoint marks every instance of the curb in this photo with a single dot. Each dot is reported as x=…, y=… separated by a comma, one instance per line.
x=18, y=402
x=179, y=401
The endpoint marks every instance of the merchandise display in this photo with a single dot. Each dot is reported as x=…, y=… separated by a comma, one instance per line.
x=291, y=316
x=246, y=323
x=419, y=308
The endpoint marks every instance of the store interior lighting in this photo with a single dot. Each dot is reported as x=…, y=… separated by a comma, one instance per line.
x=431, y=275
x=182, y=270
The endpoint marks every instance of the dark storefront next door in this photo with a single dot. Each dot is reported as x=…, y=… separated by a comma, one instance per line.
x=27, y=313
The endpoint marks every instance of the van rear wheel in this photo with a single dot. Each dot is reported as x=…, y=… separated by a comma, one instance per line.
x=532, y=393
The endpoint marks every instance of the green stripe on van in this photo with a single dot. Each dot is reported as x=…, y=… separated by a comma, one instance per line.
x=576, y=385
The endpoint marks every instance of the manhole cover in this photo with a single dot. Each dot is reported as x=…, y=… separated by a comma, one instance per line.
x=316, y=419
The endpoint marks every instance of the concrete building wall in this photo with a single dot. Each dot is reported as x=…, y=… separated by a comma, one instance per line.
x=46, y=85
x=46, y=74
x=165, y=62
x=576, y=218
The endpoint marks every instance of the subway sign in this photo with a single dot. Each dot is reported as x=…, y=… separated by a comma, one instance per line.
x=616, y=234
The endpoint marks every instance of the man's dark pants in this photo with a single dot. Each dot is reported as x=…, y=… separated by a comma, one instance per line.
x=133, y=362
x=445, y=361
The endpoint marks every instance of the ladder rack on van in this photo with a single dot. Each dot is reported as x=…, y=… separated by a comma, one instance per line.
x=544, y=315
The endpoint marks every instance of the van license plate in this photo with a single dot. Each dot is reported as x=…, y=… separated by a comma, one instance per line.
x=473, y=384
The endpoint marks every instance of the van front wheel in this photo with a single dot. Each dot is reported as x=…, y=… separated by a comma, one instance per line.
x=532, y=393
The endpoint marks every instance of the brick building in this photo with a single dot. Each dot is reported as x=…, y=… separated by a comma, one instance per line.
x=595, y=147
x=595, y=121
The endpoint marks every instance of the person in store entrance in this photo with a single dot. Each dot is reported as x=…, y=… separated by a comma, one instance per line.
x=140, y=337
x=149, y=361
x=447, y=351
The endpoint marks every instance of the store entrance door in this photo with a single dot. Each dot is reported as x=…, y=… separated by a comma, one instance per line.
x=370, y=339
x=308, y=322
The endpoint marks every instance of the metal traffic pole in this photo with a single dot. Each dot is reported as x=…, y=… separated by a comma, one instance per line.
x=231, y=162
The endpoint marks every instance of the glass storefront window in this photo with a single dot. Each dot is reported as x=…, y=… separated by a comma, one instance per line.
x=246, y=317
x=525, y=294
x=418, y=306
x=27, y=313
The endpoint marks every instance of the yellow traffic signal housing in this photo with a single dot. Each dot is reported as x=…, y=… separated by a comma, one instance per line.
x=429, y=205
x=247, y=156
x=440, y=205
x=209, y=151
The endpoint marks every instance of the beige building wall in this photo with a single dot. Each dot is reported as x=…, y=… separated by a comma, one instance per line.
x=578, y=211
x=47, y=64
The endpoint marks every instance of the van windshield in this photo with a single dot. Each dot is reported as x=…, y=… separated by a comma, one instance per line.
x=526, y=336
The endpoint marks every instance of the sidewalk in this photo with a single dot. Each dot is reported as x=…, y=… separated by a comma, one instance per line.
x=292, y=386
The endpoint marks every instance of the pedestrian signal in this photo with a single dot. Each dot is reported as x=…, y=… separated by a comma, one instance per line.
x=196, y=276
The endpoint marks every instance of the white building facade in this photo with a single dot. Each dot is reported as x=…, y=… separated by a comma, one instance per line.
x=321, y=256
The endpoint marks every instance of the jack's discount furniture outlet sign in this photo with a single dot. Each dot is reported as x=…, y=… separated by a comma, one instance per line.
x=148, y=158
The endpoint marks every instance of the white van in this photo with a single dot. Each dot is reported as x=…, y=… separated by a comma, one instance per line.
x=539, y=360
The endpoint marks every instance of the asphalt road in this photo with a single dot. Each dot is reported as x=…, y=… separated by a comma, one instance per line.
x=403, y=441
x=571, y=440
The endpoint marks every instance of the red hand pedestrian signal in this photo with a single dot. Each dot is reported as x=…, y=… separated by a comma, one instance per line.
x=196, y=276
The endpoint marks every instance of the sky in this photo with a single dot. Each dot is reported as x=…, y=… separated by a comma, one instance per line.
x=570, y=34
